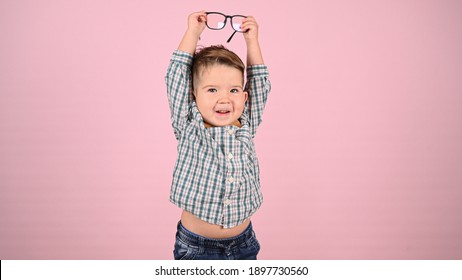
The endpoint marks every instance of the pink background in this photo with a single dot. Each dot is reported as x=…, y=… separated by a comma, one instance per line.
x=360, y=148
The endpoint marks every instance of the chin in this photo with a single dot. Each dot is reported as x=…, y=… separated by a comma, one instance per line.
x=221, y=123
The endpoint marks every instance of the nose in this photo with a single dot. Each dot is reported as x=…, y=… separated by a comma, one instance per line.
x=223, y=98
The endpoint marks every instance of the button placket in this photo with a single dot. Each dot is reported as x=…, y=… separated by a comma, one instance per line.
x=231, y=152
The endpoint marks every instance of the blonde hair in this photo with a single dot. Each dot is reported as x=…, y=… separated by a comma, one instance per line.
x=214, y=55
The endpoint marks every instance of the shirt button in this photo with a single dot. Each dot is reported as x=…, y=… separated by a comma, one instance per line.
x=230, y=156
x=230, y=131
x=230, y=179
x=227, y=202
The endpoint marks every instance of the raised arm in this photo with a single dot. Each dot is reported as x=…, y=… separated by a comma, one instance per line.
x=258, y=85
x=178, y=77
x=254, y=55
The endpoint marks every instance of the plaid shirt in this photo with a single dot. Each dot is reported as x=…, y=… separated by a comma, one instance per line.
x=216, y=175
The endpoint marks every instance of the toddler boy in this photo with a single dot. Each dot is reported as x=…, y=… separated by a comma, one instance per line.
x=216, y=177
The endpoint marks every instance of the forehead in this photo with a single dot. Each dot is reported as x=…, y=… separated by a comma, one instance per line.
x=219, y=74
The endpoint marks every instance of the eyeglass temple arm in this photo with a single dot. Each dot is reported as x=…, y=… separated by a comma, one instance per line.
x=229, y=40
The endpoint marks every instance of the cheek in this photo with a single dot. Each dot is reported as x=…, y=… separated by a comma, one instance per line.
x=203, y=102
x=239, y=105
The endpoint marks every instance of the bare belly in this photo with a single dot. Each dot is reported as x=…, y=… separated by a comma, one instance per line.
x=196, y=225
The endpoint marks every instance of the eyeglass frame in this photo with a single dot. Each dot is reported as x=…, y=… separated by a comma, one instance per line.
x=224, y=24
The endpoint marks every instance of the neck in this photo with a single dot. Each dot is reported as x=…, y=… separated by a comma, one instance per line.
x=236, y=123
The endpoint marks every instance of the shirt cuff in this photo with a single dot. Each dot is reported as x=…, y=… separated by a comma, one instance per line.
x=182, y=57
x=257, y=70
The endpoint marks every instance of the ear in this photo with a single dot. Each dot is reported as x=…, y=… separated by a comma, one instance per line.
x=246, y=96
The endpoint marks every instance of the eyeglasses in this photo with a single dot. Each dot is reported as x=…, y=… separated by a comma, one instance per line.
x=217, y=21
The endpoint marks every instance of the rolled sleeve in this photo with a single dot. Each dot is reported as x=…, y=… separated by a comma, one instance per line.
x=182, y=57
x=257, y=70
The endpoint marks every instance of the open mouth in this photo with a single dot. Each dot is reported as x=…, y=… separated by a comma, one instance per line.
x=222, y=112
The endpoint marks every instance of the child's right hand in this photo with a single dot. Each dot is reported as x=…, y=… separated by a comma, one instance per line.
x=196, y=23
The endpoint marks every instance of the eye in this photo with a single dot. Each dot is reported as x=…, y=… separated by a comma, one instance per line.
x=234, y=90
x=212, y=90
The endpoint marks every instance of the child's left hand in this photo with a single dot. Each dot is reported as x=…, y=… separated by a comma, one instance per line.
x=250, y=26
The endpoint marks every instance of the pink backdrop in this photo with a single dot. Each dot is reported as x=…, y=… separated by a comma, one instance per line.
x=360, y=148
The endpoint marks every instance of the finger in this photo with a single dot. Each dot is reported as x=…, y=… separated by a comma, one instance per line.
x=249, y=18
x=249, y=26
x=199, y=14
x=202, y=18
x=249, y=23
x=196, y=15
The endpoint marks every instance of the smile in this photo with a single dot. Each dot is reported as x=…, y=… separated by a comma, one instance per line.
x=222, y=112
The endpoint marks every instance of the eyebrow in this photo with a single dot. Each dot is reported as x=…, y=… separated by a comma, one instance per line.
x=235, y=86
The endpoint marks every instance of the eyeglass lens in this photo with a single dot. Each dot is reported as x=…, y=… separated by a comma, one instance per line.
x=237, y=22
x=216, y=21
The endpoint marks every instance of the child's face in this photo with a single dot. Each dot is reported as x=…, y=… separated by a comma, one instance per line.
x=219, y=94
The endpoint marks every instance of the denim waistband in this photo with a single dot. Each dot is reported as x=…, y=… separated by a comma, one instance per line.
x=198, y=240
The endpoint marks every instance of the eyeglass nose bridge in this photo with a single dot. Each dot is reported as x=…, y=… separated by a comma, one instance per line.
x=226, y=20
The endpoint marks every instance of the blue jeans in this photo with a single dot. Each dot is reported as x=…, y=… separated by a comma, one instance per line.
x=191, y=246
